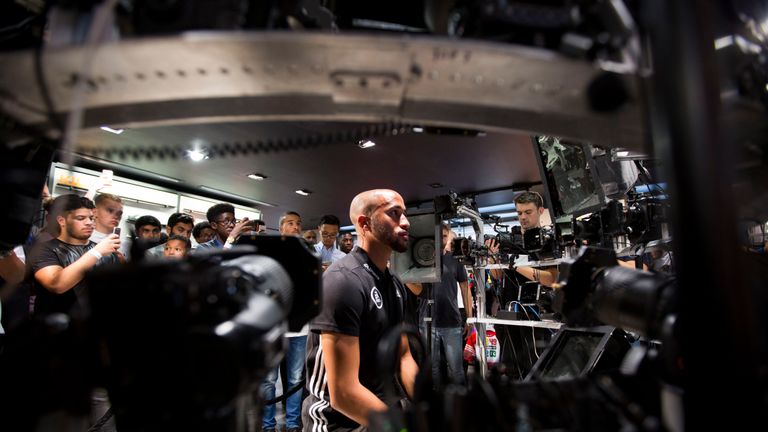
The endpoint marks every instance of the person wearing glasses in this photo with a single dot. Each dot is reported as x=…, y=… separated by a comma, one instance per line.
x=222, y=219
x=326, y=247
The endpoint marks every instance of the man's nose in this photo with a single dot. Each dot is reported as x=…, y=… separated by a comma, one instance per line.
x=404, y=222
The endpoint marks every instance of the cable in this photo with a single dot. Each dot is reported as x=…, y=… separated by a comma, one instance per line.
x=648, y=181
x=102, y=18
x=533, y=330
x=102, y=421
x=20, y=25
x=285, y=395
x=514, y=353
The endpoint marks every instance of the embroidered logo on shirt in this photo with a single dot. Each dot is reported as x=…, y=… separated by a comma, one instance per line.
x=376, y=297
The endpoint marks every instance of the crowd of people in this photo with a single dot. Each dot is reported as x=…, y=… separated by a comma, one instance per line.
x=336, y=355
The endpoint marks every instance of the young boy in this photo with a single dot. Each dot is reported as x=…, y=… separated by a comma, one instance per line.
x=176, y=247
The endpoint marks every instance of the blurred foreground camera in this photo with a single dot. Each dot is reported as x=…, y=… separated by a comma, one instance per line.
x=594, y=289
x=181, y=341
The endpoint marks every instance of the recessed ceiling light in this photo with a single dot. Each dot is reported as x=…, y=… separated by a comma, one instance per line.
x=197, y=155
x=114, y=131
x=364, y=144
x=303, y=192
x=256, y=176
x=436, y=185
x=418, y=129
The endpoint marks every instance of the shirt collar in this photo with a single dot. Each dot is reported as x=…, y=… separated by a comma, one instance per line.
x=362, y=257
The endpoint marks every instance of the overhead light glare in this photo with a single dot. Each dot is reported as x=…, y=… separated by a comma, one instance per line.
x=418, y=129
x=197, y=155
x=303, y=192
x=114, y=131
x=364, y=144
x=256, y=176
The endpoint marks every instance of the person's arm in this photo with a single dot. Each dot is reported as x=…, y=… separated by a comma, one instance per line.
x=545, y=276
x=58, y=279
x=238, y=229
x=493, y=249
x=408, y=367
x=466, y=296
x=631, y=265
x=11, y=268
x=341, y=357
x=415, y=287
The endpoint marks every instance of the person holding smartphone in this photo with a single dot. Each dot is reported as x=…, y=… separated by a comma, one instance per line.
x=326, y=247
x=106, y=217
x=222, y=219
x=59, y=265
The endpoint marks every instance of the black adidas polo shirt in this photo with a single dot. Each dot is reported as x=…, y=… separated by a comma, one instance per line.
x=357, y=300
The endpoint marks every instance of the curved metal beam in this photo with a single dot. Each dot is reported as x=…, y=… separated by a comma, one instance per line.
x=205, y=77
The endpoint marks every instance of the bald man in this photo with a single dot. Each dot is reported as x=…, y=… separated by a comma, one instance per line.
x=362, y=302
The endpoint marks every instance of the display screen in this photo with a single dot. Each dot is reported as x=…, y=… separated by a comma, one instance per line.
x=567, y=169
x=570, y=360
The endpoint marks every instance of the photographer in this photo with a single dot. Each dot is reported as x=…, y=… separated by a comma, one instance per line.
x=530, y=207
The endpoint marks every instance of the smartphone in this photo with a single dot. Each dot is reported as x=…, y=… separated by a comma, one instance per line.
x=116, y=230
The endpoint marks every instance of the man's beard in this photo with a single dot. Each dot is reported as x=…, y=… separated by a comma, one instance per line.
x=76, y=235
x=388, y=237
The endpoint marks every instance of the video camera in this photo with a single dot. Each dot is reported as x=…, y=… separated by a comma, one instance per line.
x=644, y=219
x=178, y=344
x=511, y=240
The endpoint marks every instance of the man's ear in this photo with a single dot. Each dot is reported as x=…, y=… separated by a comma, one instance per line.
x=541, y=210
x=168, y=230
x=362, y=221
x=62, y=221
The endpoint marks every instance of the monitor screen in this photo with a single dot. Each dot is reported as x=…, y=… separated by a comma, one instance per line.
x=571, y=359
x=567, y=169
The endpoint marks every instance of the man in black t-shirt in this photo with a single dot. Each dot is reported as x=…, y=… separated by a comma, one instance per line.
x=529, y=206
x=362, y=302
x=448, y=326
x=59, y=265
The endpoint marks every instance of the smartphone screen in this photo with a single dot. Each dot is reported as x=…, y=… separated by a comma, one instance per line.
x=116, y=230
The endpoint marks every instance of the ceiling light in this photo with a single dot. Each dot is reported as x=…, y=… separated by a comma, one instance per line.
x=114, y=131
x=197, y=155
x=418, y=129
x=303, y=192
x=256, y=176
x=435, y=185
x=364, y=144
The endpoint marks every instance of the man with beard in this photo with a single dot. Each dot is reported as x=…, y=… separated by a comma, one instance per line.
x=362, y=302
x=346, y=242
x=222, y=219
x=59, y=266
x=530, y=207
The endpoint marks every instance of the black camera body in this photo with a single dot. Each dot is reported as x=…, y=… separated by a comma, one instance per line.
x=642, y=221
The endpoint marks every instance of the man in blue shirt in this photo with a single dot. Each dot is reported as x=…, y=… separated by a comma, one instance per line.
x=222, y=219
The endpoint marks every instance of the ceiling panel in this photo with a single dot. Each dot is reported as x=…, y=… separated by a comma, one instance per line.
x=408, y=163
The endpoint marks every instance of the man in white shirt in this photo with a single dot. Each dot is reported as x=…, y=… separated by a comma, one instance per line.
x=289, y=225
x=326, y=247
x=107, y=216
